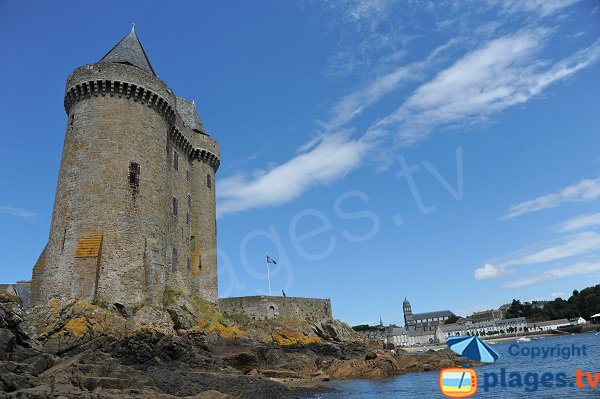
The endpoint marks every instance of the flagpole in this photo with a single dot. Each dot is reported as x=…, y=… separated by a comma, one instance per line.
x=268, y=274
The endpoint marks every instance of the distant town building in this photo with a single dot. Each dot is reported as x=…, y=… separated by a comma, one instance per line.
x=538, y=304
x=504, y=307
x=486, y=329
x=547, y=325
x=486, y=315
x=399, y=336
x=424, y=321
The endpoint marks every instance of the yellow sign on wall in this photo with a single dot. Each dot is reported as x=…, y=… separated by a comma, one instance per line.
x=89, y=245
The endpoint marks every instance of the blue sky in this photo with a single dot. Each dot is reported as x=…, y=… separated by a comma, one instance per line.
x=447, y=152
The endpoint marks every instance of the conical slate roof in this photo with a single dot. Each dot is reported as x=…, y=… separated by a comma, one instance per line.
x=189, y=113
x=129, y=51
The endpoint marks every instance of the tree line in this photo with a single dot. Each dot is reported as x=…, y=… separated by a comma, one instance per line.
x=582, y=303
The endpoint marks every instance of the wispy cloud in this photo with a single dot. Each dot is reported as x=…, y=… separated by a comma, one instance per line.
x=579, y=223
x=584, y=191
x=541, y=7
x=555, y=274
x=353, y=104
x=500, y=74
x=565, y=247
x=331, y=158
x=22, y=213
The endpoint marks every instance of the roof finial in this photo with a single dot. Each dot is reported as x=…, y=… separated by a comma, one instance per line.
x=194, y=102
x=133, y=27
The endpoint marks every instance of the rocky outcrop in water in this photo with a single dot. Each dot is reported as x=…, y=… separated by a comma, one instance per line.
x=186, y=349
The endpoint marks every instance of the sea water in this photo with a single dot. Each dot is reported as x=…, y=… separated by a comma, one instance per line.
x=513, y=359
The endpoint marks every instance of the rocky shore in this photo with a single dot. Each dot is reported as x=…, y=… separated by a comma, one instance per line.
x=184, y=348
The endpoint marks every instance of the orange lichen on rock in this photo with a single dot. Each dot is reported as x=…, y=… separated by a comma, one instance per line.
x=77, y=327
x=227, y=332
x=288, y=336
x=54, y=305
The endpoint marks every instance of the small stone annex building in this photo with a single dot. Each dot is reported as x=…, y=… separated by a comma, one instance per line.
x=134, y=210
x=269, y=307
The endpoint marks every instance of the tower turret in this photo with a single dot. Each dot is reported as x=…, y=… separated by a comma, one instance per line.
x=133, y=203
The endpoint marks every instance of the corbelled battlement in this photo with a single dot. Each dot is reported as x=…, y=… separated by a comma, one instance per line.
x=139, y=86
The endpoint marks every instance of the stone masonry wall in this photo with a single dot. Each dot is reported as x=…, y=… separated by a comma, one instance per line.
x=267, y=307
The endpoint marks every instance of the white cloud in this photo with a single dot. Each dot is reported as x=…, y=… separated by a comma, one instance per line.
x=502, y=73
x=584, y=191
x=333, y=157
x=557, y=294
x=579, y=222
x=557, y=273
x=565, y=247
x=488, y=271
x=542, y=7
x=22, y=213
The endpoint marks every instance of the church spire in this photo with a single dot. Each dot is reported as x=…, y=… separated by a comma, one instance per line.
x=129, y=51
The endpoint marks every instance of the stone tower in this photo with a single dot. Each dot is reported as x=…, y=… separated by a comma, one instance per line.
x=134, y=211
x=409, y=320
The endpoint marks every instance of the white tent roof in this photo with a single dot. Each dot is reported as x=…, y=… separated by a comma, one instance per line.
x=595, y=315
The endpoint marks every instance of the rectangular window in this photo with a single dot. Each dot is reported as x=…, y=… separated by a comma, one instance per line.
x=175, y=206
x=188, y=175
x=174, y=260
x=188, y=219
x=175, y=160
x=133, y=175
x=190, y=200
x=208, y=181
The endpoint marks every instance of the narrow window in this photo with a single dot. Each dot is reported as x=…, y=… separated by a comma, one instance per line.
x=188, y=175
x=71, y=119
x=175, y=160
x=134, y=175
x=189, y=265
x=208, y=181
x=193, y=243
x=175, y=206
x=174, y=260
x=63, y=240
x=190, y=200
x=188, y=219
